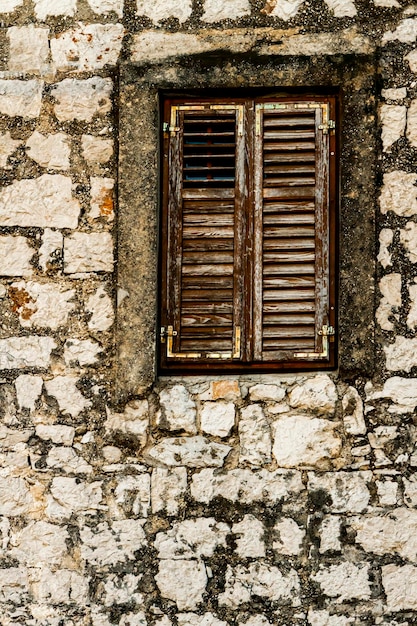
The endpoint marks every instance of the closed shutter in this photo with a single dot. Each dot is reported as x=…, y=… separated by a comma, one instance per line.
x=248, y=234
x=204, y=226
x=291, y=229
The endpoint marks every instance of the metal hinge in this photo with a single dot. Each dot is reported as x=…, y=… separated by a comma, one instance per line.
x=168, y=333
x=328, y=124
x=325, y=332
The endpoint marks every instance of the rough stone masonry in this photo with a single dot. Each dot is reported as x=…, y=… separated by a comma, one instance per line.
x=213, y=501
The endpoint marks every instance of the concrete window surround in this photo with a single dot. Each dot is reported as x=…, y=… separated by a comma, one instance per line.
x=137, y=259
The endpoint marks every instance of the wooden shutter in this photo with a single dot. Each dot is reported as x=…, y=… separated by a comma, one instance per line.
x=291, y=232
x=248, y=234
x=204, y=228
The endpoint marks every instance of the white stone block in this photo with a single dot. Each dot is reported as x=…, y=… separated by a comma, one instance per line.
x=41, y=305
x=7, y=6
x=82, y=99
x=81, y=352
x=406, y=32
x=408, y=238
x=304, y=441
x=28, y=390
x=284, y=9
x=395, y=93
x=67, y=460
x=51, y=151
x=387, y=492
x=14, y=585
x=64, y=390
x=411, y=57
x=386, y=3
x=254, y=436
x=164, y=9
x=21, y=98
x=268, y=393
x=100, y=306
x=290, y=537
x=400, y=586
x=134, y=421
x=44, y=8
x=217, y=418
x=352, y=406
x=188, y=451
x=348, y=491
x=15, y=256
x=103, y=7
x=390, y=287
x=7, y=147
x=57, y=433
x=412, y=313
x=60, y=586
x=87, y=48
x=192, y=539
x=178, y=410
x=330, y=534
x=249, y=534
x=168, y=487
x=133, y=495
x=74, y=497
x=393, y=118
x=28, y=48
x=182, y=581
x=412, y=123
x=39, y=543
x=410, y=490
x=88, y=252
x=342, y=8
x=345, y=581
x=23, y=352
x=400, y=390
x=15, y=496
x=261, y=580
x=399, y=193
x=45, y=201
x=246, y=486
x=192, y=619
x=51, y=248
x=96, y=150
x=316, y=394
x=386, y=237
x=393, y=534
x=401, y=355
x=106, y=544
x=215, y=11
x=10, y=437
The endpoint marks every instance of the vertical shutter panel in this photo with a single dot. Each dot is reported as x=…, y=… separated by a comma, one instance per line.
x=291, y=231
x=204, y=291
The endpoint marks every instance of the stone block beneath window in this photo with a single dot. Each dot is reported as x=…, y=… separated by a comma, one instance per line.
x=305, y=441
x=315, y=394
x=255, y=436
x=178, y=410
x=217, y=418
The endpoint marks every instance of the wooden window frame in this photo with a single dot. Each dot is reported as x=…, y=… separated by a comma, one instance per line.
x=248, y=356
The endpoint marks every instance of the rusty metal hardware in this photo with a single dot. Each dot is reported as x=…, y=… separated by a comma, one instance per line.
x=173, y=128
x=167, y=334
x=325, y=332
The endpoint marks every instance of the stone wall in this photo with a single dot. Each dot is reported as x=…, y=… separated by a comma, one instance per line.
x=217, y=501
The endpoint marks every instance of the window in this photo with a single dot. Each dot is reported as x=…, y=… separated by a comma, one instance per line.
x=248, y=234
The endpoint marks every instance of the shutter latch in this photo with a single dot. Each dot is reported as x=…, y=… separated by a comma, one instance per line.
x=325, y=332
x=167, y=336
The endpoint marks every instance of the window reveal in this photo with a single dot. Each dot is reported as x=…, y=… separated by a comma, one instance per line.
x=248, y=225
